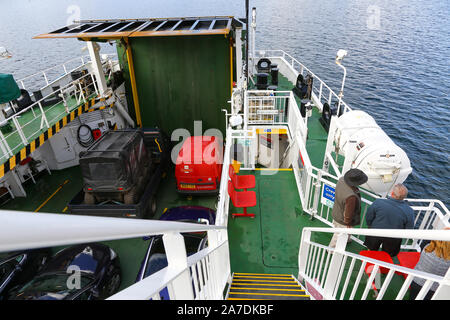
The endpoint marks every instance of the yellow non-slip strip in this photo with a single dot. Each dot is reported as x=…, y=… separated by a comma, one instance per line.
x=273, y=289
x=259, y=277
x=271, y=294
x=265, y=281
x=264, y=274
x=265, y=284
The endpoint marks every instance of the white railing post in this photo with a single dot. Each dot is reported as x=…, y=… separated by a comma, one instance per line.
x=44, y=117
x=303, y=252
x=317, y=188
x=4, y=145
x=19, y=130
x=443, y=291
x=335, y=266
x=320, y=91
x=181, y=288
x=45, y=77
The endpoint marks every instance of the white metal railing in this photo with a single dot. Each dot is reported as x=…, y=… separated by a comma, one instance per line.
x=311, y=181
x=22, y=130
x=267, y=107
x=223, y=202
x=46, y=77
x=203, y=275
x=244, y=142
x=335, y=273
x=291, y=67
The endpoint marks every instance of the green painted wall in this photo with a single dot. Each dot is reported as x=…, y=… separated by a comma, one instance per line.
x=180, y=80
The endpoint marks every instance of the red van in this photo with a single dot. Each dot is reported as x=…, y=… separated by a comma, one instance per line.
x=199, y=165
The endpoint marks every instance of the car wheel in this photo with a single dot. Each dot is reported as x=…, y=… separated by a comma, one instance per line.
x=130, y=196
x=89, y=198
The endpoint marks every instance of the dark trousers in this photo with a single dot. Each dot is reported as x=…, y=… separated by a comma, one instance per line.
x=390, y=245
x=414, y=290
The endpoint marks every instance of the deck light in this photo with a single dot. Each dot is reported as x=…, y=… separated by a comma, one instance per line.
x=339, y=57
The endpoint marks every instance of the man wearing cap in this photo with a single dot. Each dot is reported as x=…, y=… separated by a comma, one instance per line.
x=391, y=213
x=346, y=211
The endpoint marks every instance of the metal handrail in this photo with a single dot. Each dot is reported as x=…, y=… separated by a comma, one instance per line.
x=85, y=60
x=19, y=128
x=327, y=271
x=302, y=68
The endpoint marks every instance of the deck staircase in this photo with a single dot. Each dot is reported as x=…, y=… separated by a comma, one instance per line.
x=258, y=286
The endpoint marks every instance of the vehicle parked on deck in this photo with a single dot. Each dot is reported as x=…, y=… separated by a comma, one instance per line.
x=199, y=165
x=155, y=258
x=117, y=183
x=19, y=267
x=81, y=272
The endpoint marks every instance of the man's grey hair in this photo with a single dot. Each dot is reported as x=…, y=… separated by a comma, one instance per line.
x=399, y=191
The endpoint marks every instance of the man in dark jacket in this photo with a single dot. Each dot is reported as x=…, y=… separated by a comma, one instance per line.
x=391, y=213
x=346, y=211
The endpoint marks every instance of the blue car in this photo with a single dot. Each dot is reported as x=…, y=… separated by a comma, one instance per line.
x=155, y=257
x=81, y=272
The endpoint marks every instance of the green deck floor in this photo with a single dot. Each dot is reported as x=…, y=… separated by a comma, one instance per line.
x=269, y=242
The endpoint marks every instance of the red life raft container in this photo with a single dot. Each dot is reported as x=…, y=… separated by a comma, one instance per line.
x=199, y=165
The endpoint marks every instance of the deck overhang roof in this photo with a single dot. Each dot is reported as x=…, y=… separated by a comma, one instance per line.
x=89, y=30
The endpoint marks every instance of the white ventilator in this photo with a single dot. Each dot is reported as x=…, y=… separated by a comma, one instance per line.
x=367, y=147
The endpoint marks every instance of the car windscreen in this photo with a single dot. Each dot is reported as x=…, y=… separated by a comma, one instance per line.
x=157, y=258
x=6, y=268
x=61, y=284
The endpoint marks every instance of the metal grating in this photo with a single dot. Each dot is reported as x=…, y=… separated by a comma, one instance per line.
x=118, y=28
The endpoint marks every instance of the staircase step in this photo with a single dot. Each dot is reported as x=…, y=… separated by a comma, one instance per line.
x=264, y=285
x=263, y=274
x=267, y=296
x=249, y=286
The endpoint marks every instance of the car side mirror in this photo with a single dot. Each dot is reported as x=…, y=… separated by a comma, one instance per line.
x=203, y=221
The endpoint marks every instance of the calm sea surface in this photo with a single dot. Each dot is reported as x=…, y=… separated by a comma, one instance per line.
x=398, y=63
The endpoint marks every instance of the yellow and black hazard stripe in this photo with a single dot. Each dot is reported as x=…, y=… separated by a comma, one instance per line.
x=54, y=129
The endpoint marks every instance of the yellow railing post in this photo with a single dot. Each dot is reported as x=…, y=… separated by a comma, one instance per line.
x=133, y=84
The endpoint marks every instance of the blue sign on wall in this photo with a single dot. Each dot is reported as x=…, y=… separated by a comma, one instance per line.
x=328, y=194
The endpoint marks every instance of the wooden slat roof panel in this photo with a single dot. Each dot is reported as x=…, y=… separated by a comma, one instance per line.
x=118, y=28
